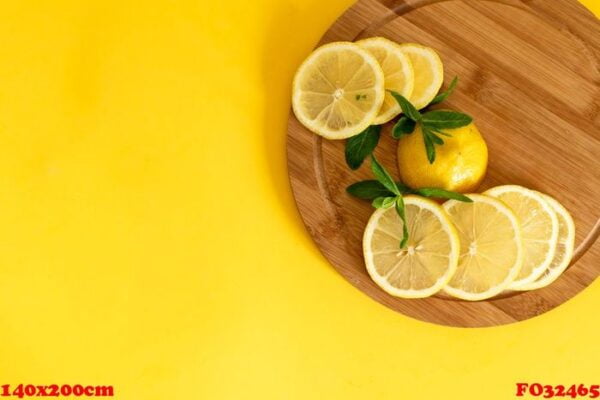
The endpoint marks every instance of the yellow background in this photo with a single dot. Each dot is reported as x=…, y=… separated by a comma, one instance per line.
x=149, y=238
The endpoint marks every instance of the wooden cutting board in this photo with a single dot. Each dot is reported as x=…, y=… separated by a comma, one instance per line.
x=529, y=75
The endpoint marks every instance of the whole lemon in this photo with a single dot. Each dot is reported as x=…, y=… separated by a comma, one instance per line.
x=459, y=165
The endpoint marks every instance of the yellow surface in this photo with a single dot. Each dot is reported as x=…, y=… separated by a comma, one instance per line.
x=149, y=239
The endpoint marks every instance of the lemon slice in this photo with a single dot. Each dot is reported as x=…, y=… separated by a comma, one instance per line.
x=429, y=73
x=564, y=247
x=539, y=226
x=338, y=90
x=429, y=259
x=491, y=251
x=397, y=71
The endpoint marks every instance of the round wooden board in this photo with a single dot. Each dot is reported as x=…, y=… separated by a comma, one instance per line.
x=529, y=75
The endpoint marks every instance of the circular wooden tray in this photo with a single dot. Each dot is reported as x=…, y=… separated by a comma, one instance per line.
x=529, y=75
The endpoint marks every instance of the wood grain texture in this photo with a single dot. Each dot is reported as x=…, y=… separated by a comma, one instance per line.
x=529, y=75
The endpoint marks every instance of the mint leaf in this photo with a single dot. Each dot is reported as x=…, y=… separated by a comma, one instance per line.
x=404, y=126
x=371, y=189
x=383, y=176
x=443, y=194
x=407, y=108
x=429, y=145
x=444, y=119
x=384, y=202
x=436, y=139
x=386, y=180
x=444, y=95
x=439, y=131
x=402, y=215
x=360, y=146
x=368, y=190
x=404, y=189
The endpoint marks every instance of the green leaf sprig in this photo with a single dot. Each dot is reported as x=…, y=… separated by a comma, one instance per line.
x=385, y=193
x=371, y=189
x=433, y=123
x=359, y=147
x=393, y=197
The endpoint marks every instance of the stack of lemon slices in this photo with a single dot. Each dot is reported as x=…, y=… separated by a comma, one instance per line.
x=342, y=87
x=509, y=238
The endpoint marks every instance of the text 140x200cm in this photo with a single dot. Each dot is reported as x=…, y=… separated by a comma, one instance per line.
x=22, y=390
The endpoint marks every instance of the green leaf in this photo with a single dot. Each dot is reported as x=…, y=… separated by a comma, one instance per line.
x=360, y=146
x=444, y=119
x=404, y=126
x=371, y=189
x=439, y=131
x=384, y=202
x=436, y=139
x=404, y=189
x=383, y=176
x=444, y=95
x=368, y=190
x=429, y=145
x=443, y=194
x=402, y=215
x=407, y=108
